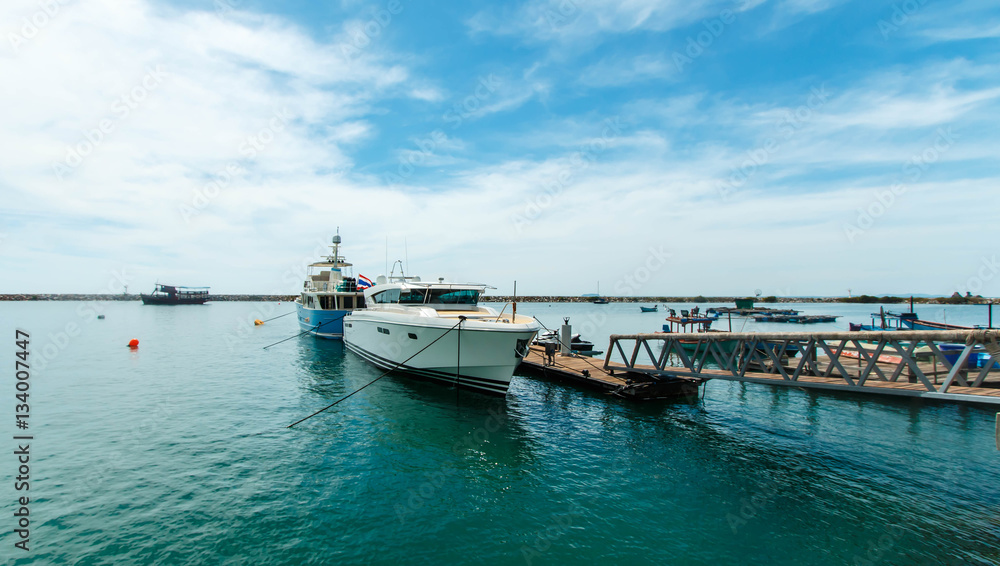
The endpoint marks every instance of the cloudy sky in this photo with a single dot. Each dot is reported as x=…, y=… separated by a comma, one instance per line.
x=800, y=147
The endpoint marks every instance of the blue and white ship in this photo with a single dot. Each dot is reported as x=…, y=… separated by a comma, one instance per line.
x=329, y=293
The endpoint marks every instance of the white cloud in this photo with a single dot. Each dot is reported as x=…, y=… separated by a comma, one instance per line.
x=614, y=71
x=577, y=20
x=249, y=101
x=984, y=30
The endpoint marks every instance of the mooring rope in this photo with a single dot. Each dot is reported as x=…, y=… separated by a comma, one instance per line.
x=988, y=339
x=313, y=329
x=385, y=373
x=279, y=316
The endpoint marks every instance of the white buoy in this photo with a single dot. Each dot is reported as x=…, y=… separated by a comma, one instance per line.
x=566, y=335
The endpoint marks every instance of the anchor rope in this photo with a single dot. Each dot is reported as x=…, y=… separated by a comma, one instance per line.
x=385, y=373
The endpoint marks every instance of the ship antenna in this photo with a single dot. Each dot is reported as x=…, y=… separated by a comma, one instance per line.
x=406, y=254
x=336, y=247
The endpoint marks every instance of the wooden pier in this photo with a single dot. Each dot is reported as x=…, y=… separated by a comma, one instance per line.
x=883, y=363
x=591, y=373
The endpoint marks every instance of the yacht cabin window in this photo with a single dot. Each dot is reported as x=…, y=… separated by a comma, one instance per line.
x=412, y=296
x=387, y=296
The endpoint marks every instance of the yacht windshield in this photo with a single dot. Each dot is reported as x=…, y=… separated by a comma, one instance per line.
x=387, y=296
x=422, y=296
x=453, y=296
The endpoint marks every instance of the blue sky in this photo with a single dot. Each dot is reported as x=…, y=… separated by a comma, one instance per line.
x=655, y=147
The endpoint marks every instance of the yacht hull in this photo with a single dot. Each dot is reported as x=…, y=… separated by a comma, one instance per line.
x=485, y=361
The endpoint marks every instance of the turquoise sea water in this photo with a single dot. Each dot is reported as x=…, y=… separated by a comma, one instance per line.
x=176, y=453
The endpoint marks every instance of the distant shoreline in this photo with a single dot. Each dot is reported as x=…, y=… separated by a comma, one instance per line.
x=534, y=299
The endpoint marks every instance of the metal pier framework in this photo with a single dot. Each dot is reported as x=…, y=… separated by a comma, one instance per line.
x=947, y=365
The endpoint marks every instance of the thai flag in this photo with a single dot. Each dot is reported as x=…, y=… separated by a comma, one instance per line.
x=364, y=282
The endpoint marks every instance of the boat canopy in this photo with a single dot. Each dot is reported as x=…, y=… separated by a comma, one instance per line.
x=175, y=289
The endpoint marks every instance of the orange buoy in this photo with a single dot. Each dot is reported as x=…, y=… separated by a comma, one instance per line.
x=133, y=343
x=257, y=322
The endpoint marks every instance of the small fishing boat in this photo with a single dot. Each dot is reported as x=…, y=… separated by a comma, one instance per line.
x=796, y=319
x=885, y=321
x=598, y=299
x=653, y=308
x=175, y=295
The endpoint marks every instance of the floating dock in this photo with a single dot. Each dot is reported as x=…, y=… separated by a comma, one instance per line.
x=590, y=372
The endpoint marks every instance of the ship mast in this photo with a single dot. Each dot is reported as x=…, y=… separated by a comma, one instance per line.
x=335, y=258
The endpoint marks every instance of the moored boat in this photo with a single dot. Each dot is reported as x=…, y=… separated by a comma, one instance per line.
x=885, y=321
x=576, y=343
x=329, y=292
x=175, y=295
x=438, y=332
x=653, y=308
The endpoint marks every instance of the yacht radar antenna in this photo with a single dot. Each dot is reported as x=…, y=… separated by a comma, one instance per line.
x=335, y=244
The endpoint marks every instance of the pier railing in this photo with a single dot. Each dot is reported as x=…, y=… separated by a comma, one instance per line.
x=956, y=365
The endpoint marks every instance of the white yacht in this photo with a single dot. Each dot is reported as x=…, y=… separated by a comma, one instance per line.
x=476, y=347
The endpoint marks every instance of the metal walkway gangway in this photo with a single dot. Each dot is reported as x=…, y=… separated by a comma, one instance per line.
x=948, y=365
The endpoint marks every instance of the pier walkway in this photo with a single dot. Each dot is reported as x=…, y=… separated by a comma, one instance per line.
x=959, y=366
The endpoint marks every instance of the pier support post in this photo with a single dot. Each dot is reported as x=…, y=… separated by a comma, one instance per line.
x=998, y=431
